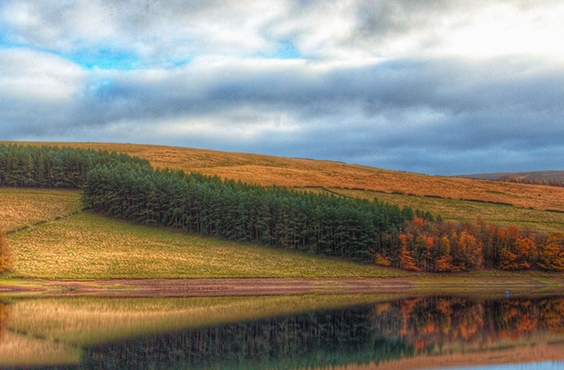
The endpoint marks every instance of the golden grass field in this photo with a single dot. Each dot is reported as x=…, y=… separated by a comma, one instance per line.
x=294, y=172
x=26, y=207
x=90, y=246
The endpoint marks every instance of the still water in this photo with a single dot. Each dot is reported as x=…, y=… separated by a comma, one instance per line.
x=305, y=332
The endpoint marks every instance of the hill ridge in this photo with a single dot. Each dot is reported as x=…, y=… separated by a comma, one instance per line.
x=267, y=170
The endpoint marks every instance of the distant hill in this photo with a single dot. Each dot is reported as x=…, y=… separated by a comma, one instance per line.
x=301, y=173
x=554, y=178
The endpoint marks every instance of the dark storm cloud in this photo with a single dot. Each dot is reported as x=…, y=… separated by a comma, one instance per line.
x=405, y=106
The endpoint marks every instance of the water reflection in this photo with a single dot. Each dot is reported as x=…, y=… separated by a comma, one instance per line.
x=436, y=323
x=3, y=321
x=335, y=337
x=422, y=332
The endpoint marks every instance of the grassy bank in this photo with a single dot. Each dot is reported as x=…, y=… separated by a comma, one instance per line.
x=50, y=244
x=21, y=208
x=89, y=246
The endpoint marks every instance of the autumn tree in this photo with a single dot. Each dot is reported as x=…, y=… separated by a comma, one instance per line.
x=407, y=262
x=381, y=260
x=551, y=257
x=468, y=254
x=444, y=263
x=5, y=259
x=527, y=251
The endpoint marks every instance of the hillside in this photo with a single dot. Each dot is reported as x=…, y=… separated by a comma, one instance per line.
x=53, y=241
x=468, y=211
x=93, y=246
x=546, y=177
x=20, y=209
x=293, y=172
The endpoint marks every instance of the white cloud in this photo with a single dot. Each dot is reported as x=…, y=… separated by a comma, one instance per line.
x=30, y=75
x=505, y=29
x=418, y=85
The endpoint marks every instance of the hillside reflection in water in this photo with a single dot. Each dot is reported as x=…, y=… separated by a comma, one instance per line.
x=406, y=333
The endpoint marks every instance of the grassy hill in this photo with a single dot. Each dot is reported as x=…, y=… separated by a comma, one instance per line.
x=469, y=211
x=526, y=177
x=23, y=208
x=86, y=245
x=294, y=172
x=54, y=239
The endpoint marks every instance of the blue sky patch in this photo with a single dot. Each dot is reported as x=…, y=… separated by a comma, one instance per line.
x=106, y=59
x=285, y=50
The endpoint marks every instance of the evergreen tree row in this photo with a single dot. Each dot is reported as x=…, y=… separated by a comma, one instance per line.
x=277, y=217
x=53, y=167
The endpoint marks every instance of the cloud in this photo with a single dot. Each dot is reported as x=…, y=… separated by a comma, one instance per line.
x=389, y=84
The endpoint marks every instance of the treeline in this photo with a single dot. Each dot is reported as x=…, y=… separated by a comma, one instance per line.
x=278, y=217
x=436, y=246
x=53, y=167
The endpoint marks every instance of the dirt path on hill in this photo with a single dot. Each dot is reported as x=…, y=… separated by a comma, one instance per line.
x=270, y=286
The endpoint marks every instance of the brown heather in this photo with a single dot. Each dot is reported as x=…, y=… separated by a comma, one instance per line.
x=294, y=172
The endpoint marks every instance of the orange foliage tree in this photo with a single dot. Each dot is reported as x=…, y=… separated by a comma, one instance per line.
x=444, y=263
x=437, y=246
x=468, y=253
x=407, y=262
x=5, y=260
x=551, y=257
x=381, y=260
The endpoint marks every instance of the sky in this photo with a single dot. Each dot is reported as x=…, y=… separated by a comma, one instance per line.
x=441, y=87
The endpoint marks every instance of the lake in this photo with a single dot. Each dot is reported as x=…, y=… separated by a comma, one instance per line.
x=284, y=332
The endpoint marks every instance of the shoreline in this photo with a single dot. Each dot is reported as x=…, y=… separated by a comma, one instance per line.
x=278, y=286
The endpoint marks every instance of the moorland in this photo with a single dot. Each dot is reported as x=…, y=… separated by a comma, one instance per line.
x=52, y=236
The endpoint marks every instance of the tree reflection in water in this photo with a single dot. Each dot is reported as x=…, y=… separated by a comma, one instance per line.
x=360, y=335
x=3, y=322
